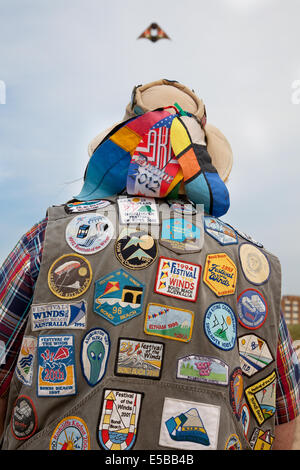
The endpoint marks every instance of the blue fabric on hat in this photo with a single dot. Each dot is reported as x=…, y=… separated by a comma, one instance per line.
x=220, y=199
x=106, y=173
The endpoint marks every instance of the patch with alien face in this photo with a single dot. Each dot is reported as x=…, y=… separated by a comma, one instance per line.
x=94, y=355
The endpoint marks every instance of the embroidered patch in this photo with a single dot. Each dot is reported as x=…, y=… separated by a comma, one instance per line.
x=252, y=309
x=56, y=366
x=255, y=354
x=24, y=367
x=95, y=348
x=220, y=274
x=255, y=264
x=139, y=358
x=71, y=433
x=189, y=425
x=220, y=231
x=233, y=443
x=203, y=369
x=59, y=316
x=182, y=207
x=69, y=276
x=119, y=419
x=88, y=206
x=220, y=325
x=89, y=233
x=245, y=418
x=135, y=249
x=24, y=418
x=181, y=236
x=236, y=391
x=261, y=397
x=178, y=279
x=138, y=210
x=249, y=238
x=261, y=440
x=169, y=322
x=118, y=297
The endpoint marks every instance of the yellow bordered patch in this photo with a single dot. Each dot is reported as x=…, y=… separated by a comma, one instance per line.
x=69, y=276
x=220, y=274
x=71, y=433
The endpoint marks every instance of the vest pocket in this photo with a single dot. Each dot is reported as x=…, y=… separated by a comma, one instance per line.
x=123, y=414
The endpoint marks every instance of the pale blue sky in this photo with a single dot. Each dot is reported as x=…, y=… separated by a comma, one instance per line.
x=70, y=65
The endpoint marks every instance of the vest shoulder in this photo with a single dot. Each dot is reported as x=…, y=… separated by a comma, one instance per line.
x=226, y=233
x=243, y=237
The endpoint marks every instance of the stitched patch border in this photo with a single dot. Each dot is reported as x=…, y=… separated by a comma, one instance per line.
x=139, y=358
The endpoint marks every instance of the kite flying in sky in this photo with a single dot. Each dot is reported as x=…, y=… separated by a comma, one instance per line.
x=154, y=33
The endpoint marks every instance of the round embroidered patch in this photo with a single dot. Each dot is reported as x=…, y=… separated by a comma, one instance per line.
x=135, y=249
x=255, y=264
x=69, y=276
x=71, y=433
x=89, y=233
x=233, y=443
x=24, y=418
x=95, y=349
x=220, y=326
x=252, y=309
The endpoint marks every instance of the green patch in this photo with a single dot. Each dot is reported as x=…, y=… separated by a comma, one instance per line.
x=188, y=370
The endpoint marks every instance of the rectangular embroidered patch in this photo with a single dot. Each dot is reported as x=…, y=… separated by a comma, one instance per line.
x=138, y=210
x=169, y=322
x=139, y=358
x=118, y=425
x=56, y=366
x=59, y=316
x=189, y=425
x=176, y=278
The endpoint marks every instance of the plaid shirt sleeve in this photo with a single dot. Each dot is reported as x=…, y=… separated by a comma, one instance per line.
x=18, y=275
x=288, y=377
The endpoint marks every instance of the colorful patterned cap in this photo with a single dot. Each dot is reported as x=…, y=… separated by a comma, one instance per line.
x=164, y=93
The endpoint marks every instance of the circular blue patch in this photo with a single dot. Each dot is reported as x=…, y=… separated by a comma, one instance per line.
x=252, y=309
x=220, y=326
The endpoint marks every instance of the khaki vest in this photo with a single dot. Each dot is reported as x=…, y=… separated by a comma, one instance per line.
x=145, y=343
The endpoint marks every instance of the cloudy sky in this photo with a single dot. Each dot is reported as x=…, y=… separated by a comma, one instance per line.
x=69, y=67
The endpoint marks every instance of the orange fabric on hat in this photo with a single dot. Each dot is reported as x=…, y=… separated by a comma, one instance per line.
x=189, y=164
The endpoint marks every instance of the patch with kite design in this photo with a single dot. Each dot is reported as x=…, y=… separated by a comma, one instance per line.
x=139, y=358
x=178, y=279
x=118, y=297
x=169, y=322
x=255, y=354
x=261, y=397
x=56, y=366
